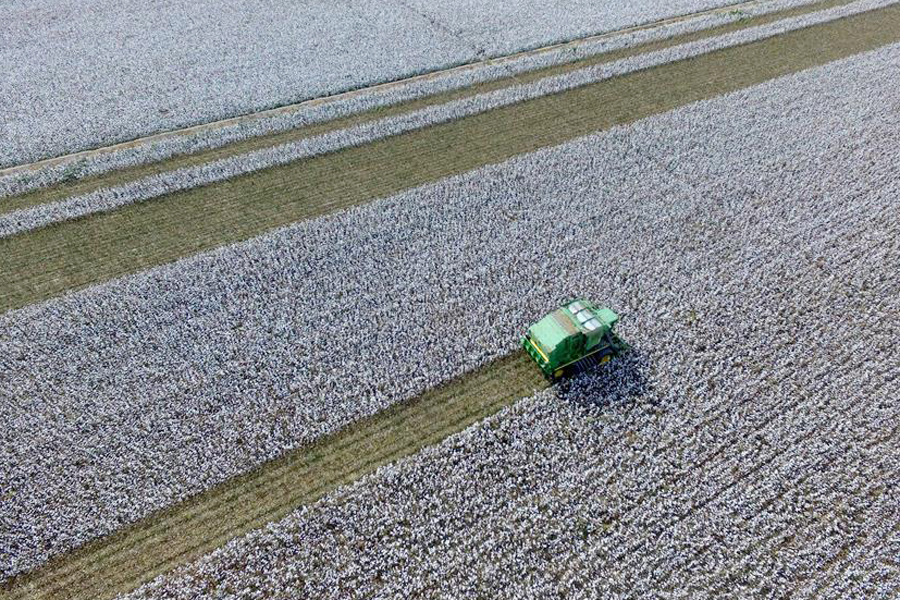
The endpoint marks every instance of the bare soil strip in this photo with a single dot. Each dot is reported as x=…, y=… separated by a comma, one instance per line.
x=47, y=262
x=136, y=554
x=89, y=184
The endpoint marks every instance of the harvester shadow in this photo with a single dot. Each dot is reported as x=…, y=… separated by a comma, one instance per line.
x=622, y=380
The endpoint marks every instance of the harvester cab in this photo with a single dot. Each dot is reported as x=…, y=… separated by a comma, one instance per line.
x=572, y=338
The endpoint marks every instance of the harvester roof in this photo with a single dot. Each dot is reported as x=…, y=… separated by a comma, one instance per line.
x=590, y=317
x=553, y=329
x=578, y=316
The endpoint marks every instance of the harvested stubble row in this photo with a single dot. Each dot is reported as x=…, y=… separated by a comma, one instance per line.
x=49, y=261
x=523, y=492
x=170, y=182
x=129, y=557
x=722, y=190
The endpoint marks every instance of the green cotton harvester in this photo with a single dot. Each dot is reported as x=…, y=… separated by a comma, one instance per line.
x=572, y=338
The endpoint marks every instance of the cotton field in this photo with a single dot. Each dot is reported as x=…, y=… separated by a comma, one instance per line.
x=167, y=183
x=112, y=72
x=758, y=437
x=745, y=445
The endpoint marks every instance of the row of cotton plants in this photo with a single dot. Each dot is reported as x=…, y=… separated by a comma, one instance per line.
x=532, y=503
x=121, y=70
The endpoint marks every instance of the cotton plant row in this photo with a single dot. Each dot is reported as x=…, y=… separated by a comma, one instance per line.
x=517, y=507
x=492, y=32
x=156, y=120
x=131, y=395
x=866, y=566
x=638, y=540
x=101, y=74
x=359, y=101
x=707, y=439
x=803, y=553
x=743, y=527
x=869, y=568
x=157, y=185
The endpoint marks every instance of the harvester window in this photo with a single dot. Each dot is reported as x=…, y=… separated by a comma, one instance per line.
x=583, y=316
x=592, y=324
x=575, y=307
